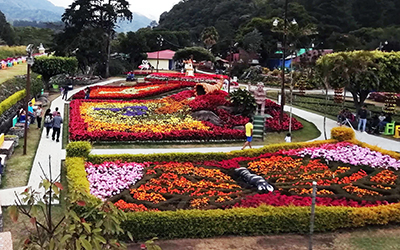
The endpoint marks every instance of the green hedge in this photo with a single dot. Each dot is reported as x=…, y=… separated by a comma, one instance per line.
x=193, y=157
x=12, y=100
x=78, y=149
x=237, y=221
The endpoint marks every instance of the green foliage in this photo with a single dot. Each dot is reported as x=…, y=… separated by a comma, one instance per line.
x=151, y=245
x=76, y=174
x=12, y=100
x=92, y=22
x=343, y=133
x=237, y=221
x=88, y=224
x=7, y=35
x=32, y=35
x=49, y=66
x=14, y=51
x=209, y=36
x=244, y=102
x=360, y=72
x=78, y=149
x=198, y=53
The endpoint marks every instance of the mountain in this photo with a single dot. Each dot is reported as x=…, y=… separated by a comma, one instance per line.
x=45, y=11
x=32, y=10
x=138, y=21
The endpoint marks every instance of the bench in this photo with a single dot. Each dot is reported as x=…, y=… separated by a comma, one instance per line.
x=6, y=147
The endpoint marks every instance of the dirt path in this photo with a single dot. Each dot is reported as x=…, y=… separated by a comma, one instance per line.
x=279, y=242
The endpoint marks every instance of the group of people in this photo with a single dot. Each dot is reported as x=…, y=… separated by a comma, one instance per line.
x=53, y=120
x=374, y=125
x=33, y=115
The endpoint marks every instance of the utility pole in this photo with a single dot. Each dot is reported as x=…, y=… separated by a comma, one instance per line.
x=29, y=61
x=283, y=65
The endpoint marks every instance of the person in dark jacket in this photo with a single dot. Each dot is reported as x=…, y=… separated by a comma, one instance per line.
x=57, y=121
x=362, y=118
x=48, y=121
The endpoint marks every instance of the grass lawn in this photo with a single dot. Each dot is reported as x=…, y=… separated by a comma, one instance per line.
x=19, y=230
x=18, y=167
x=308, y=132
x=19, y=69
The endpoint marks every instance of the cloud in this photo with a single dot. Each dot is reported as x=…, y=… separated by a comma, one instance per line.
x=150, y=8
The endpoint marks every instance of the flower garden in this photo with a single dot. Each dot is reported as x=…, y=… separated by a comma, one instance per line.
x=186, y=195
x=357, y=185
x=120, y=114
x=346, y=175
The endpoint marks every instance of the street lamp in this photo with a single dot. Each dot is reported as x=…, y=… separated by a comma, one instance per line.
x=29, y=61
x=275, y=23
x=160, y=41
x=381, y=45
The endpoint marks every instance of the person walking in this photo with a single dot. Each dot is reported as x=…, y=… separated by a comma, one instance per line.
x=48, y=121
x=56, y=124
x=39, y=115
x=65, y=93
x=249, y=133
x=362, y=118
x=55, y=112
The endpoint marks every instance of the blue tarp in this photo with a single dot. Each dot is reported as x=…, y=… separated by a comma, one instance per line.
x=277, y=63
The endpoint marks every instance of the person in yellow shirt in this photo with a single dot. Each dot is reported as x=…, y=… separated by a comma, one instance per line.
x=249, y=133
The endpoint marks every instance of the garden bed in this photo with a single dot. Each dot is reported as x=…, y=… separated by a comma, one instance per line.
x=200, y=195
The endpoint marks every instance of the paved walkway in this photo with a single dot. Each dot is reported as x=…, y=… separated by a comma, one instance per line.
x=48, y=147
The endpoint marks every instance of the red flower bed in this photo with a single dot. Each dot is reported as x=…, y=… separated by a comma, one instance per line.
x=117, y=92
x=176, y=77
x=78, y=130
x=210, y=101
x=273, y=124
x=277, y=199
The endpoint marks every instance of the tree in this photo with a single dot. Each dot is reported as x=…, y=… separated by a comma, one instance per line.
x=198, y=53
x=6, y=31
x=49, y=66
x=101, y=15
x=209, y=36
x=252, y=41
x=361, y=72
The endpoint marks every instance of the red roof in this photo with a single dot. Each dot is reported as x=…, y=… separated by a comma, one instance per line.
x=162, y=54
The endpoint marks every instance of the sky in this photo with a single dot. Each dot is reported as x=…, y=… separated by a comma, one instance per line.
x=150, y=8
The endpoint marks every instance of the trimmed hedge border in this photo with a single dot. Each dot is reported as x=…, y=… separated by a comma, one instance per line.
x=12, y=100
x=236, y=221
x=184, y=157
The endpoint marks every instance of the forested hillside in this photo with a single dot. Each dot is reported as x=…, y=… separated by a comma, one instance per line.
x=341, y=24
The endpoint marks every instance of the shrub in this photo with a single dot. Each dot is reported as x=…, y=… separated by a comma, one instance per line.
x=79, y=149
x=13, y=51
x=237, y=221
x=343, y=134
x=76, y=174
x=10, y=101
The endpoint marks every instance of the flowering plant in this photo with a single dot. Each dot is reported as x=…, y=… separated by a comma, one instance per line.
x=110, y=178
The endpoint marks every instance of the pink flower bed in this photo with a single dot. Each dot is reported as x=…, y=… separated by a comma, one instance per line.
x=110, y=178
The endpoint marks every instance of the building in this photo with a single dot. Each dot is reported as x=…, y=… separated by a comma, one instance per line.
x=164, y=58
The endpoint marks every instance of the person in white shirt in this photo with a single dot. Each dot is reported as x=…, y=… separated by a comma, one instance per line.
x=288, y=137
